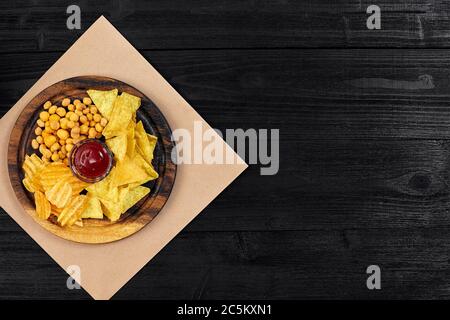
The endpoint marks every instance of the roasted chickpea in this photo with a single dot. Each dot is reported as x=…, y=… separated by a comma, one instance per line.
x=71, y=107
x=92, y=133
x=44, y=115
x=55, y=147
x=83, y=119
x=69, y=141
x=48, y=130
x=93, y=109
x=76, y=102
x=34, y=144
x=69, y=114
x=62, y=142
x=103, y=122
x=47, y=154
x=75, y=133
x=98, y=127
x=92, y=123
x=42, y=148
x=63, y=123
x=87, y=101
x=78, y=113
x=55, y=157
x=45, y=134
x=40, y=140
x=84, y=129
x=61, y=154
x=65, y=102
x=49, y=140
x=74, y=117
x=38, y=131
x=70, y=124
x=54, y=117
x=97, y=117
x=90, y=116
x=82, y=137
x=40, y=123
x=80, y=107
x=54, y=125
x=86, y=111
x=66, y=161
x=62, y=134
x=52, y=109
x=69, y=147
x=61, y=112
x=47, y=105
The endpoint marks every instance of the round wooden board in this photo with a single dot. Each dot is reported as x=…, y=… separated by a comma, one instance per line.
x=95, y=230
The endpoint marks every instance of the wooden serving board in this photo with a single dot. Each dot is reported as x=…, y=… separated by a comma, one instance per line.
x=95, y=230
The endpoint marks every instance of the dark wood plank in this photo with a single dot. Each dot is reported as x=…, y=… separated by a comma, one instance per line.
x=308, y=94
x=256, y=265
x=41, y=25
x=339, y=184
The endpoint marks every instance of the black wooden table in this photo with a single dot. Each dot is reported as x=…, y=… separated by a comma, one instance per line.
x=364, y=119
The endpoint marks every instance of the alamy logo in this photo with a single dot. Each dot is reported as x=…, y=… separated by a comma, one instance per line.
x=74, y=20
x=74, y=280
x=374, y=280
x=374, y=21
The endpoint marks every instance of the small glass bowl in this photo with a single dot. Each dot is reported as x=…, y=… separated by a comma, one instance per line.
x=78, y=174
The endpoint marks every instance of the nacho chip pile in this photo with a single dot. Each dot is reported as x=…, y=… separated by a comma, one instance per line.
x=57, y=191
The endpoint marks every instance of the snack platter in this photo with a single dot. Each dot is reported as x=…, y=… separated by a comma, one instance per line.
x=89, y=159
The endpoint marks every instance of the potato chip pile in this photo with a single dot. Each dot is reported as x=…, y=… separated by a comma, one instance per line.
x=57, y=191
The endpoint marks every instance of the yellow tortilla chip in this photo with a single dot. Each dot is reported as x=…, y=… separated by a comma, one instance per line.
x=132, y=101
x=121, y=116
x=118, y=146
x=133, y=196
x=93, y=209
x=127, y=171
x=131, y=143
x=153, y=140
x=143, y=142
x=111, y=209
x=104, y=101
x=103, y=189
x=151, y=172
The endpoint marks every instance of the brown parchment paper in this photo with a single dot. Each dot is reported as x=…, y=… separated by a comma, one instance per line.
x=105, y=268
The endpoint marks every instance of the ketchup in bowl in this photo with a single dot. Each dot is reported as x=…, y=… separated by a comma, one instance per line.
x=90, y=160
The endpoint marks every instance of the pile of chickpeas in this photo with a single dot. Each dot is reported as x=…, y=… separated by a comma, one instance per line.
x=60, y=128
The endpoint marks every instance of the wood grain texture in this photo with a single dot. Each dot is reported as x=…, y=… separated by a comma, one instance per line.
x=95, y=230
x=308, y=94
x=363, y=141
x=175, y=24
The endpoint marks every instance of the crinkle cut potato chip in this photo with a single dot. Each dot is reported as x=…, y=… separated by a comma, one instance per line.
x=60, y=194
x=73, y=211
x=104, y=100
x=43, y=207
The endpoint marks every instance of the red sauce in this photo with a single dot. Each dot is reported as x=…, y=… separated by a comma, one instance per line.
x=91, y=160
